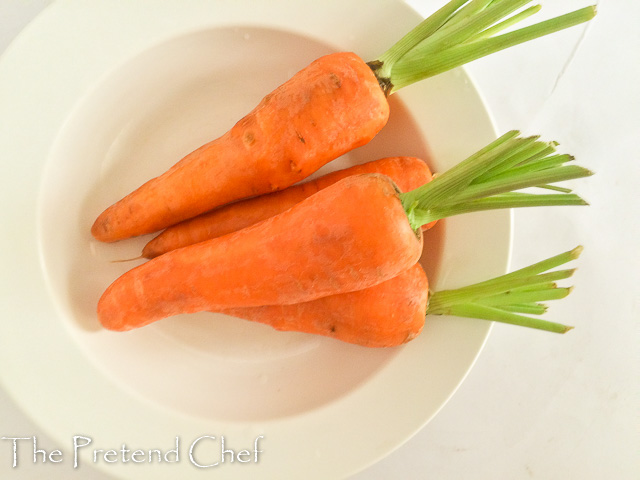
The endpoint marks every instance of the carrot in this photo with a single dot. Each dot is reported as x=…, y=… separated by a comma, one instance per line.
x=289, y=258
x=292, y=133
x=393, y=312
x=407, y=172
x=332, y=106
x=354, y=234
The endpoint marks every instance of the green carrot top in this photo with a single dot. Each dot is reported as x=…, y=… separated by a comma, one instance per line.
x=460, y=32
x=506, y=298
x=489, y=178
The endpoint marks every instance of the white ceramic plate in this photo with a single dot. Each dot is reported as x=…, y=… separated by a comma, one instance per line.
x=95, y=98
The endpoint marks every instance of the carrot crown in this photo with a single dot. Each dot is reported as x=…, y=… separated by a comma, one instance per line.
x=462, y=31
x=506, y=298
x=487, y=180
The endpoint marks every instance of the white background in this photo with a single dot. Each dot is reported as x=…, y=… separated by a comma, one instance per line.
x=535, y=405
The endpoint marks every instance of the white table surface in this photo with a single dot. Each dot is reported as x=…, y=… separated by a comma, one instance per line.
x=535, y=405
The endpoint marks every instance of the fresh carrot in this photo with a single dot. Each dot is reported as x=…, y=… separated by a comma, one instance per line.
x=354, y=234
x=407, y=172
x=255, y=266
x=332, y=106
x=393, y=312
x=292, y=133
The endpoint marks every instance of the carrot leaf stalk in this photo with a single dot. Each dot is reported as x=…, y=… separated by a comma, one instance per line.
x=511, y=297
x=460, y=32
x=488, y=180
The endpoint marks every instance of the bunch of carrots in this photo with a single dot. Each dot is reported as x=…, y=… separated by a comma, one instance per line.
x=338, y=256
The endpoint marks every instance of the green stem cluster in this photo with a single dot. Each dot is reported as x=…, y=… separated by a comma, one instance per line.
x=511, y=297
x=488, y=180
x=460, y=32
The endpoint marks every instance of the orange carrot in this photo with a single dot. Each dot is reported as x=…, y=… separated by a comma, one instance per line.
x=320, y=247
x=393, y=312
x=385, y=315
x=352, y=235
x=293, y=132
x=407, y=172
x=334, y=105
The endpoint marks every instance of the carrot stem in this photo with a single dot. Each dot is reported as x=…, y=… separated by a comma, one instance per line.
x=505, y=298
x=488, y=180
x=508, y=298
x=556, y=188
x=498, y=315
x=528, y=308
x=422, y=217
x=460, y=32
x=426, y=28
x=509, y=22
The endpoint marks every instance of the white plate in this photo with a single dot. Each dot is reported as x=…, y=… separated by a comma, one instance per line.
x=96, y=98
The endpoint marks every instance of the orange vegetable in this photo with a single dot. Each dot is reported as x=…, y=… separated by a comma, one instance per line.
x=334, y=105
x=322, y=246
x=293, y=132
x=352, y=235
x=407, y=172
x=393, y=312
x=385, y=315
